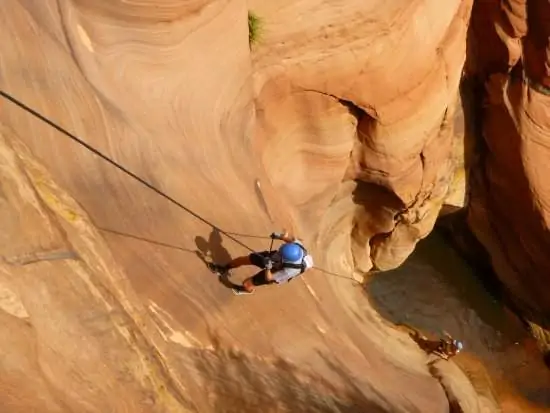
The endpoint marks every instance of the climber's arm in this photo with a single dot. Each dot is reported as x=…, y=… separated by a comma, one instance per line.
x=268, y=274
x=286, y=237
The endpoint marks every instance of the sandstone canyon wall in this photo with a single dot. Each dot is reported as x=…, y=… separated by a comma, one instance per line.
x=386, y=196
x=508, y=68
x=338, y=125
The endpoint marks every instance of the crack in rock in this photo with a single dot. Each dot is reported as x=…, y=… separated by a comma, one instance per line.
x=33, y=257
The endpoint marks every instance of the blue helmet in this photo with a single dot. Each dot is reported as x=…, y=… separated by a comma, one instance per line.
x=291, y=252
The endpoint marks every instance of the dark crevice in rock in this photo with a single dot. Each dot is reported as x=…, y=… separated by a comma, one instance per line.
x=455, y=229
x=381, y=200
x=454, y=405
x=455, y=226
x=354, y=109
x=376, y=240
x=365, y=191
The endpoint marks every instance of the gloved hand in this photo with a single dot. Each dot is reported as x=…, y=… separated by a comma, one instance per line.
x=268, y=264
x=276, y=235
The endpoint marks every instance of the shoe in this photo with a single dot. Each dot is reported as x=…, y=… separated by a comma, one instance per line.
x=237, y=291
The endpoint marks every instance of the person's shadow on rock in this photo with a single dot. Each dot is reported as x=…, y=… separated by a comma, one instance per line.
x=212, y=251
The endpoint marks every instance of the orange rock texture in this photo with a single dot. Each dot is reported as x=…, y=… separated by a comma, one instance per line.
x=397, y=129
x=337, y=122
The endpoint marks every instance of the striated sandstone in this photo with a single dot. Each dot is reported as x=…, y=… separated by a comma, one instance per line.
x=338, y=125
x=114, y=295
x=397, y=68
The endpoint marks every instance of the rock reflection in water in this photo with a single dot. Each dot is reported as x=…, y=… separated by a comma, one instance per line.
x=435, y=291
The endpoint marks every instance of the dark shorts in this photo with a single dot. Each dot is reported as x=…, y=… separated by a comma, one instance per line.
x=258, y=259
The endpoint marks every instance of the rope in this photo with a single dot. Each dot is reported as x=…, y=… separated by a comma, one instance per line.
x=230, y=235
x=237, y=234
x=118, y=166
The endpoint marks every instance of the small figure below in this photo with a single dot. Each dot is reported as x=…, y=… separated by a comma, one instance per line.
x=444, y=348
x=277, y=267
x=448, y=347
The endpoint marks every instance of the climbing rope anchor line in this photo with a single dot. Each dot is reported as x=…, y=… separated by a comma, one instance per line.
x=97, y=152
x=118, y=166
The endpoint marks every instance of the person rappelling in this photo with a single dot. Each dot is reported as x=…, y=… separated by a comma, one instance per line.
x=277, y=267
x=445, y=347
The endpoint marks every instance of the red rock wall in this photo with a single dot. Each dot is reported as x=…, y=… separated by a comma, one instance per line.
x=509, y=211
